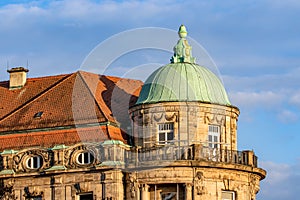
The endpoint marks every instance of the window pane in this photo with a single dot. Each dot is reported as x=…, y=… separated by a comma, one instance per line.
x=162, y=137
x=86, y=158
x=210, y=138
x=29, y=163
x=80, y=160
x=170, y=136
x=227, y=195
x=35, y=162
x=216, y=139
x=91, y=158
x=172, y=126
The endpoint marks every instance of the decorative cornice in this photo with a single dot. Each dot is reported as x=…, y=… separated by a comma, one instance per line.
x=108, y=123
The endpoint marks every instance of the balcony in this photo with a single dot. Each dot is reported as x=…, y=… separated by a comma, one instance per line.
x=196, y=152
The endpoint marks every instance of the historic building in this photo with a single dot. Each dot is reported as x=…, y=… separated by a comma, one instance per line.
x=84, y=136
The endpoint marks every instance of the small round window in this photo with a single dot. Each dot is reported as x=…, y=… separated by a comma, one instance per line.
x=34, y=162
x=85, y=158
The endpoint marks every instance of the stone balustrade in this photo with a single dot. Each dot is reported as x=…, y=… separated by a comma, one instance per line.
x=195, y=152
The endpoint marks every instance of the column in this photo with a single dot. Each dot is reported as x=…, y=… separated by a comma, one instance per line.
x=188, y=191
x=145, y=192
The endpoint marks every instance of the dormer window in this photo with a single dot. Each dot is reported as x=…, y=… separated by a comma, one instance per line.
x=34, y=162
x=166, y=133
x=85, y=158
x=38, y=114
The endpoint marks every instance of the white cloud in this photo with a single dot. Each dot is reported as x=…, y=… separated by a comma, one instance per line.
x=287, y=116
x=256, y=99
x=282, y=181
x=295, y=98
x=19, y=15
x=273, y=80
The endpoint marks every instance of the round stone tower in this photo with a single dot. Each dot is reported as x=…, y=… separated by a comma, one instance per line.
x=185, y=131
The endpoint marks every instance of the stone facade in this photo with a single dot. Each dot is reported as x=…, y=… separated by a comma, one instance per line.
x=191, y=121
x=184, y=167
x=118, y=171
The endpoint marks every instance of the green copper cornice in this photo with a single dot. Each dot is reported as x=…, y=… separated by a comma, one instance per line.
x=58, y=147
x=7, y=172
x=8, y=151
x=56, y=168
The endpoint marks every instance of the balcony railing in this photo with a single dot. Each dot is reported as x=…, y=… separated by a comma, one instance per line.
x=196, y=152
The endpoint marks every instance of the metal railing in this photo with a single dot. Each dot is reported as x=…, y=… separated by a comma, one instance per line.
x=191, y=152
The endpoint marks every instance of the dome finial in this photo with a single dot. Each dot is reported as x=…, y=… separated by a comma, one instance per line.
x=182, y=50
x=182, y=31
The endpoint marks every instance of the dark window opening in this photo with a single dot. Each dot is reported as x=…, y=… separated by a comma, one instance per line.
x=85, y=158
x=34, y=198
x=34, y=162
x=86, y=197
x=38, y=115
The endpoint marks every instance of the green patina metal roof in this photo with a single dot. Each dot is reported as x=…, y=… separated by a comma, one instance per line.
x=183, y=80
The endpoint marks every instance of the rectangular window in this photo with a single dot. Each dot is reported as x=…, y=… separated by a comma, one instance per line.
x=34, y=198
x=86, y=197
x=165, y=133
x=213, y=136
x=228, y=195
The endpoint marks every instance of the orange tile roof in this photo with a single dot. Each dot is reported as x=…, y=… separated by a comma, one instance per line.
x=67, y=100
x=52, y=138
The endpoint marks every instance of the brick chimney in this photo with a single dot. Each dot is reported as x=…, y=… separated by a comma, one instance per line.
x=17, y=77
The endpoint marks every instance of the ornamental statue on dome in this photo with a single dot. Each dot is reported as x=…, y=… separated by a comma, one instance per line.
x=182, y=50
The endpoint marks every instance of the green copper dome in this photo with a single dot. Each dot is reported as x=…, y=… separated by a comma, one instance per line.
x=183, y=80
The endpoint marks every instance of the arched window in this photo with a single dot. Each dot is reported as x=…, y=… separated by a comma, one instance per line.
x=34, y=162
x=85, y=158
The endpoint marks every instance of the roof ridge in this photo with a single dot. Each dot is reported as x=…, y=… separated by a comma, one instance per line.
x=110, y=76
x=40, y=77
x=91, y=93
x=36, y=96
x=50, y=76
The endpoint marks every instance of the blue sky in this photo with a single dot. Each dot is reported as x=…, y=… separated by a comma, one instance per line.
x=255, y=44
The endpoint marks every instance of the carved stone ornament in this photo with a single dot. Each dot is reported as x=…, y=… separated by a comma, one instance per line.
x=254, y=186
x=71, y=156
x=157, y=116
x=20, y=160
x=214, y=119
x=7, y=192
x=199, y=183
x=146, y=119
x=171, y=117
x=80, y=188
x=133, y=184
x=226, y=183
x=32, y=194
